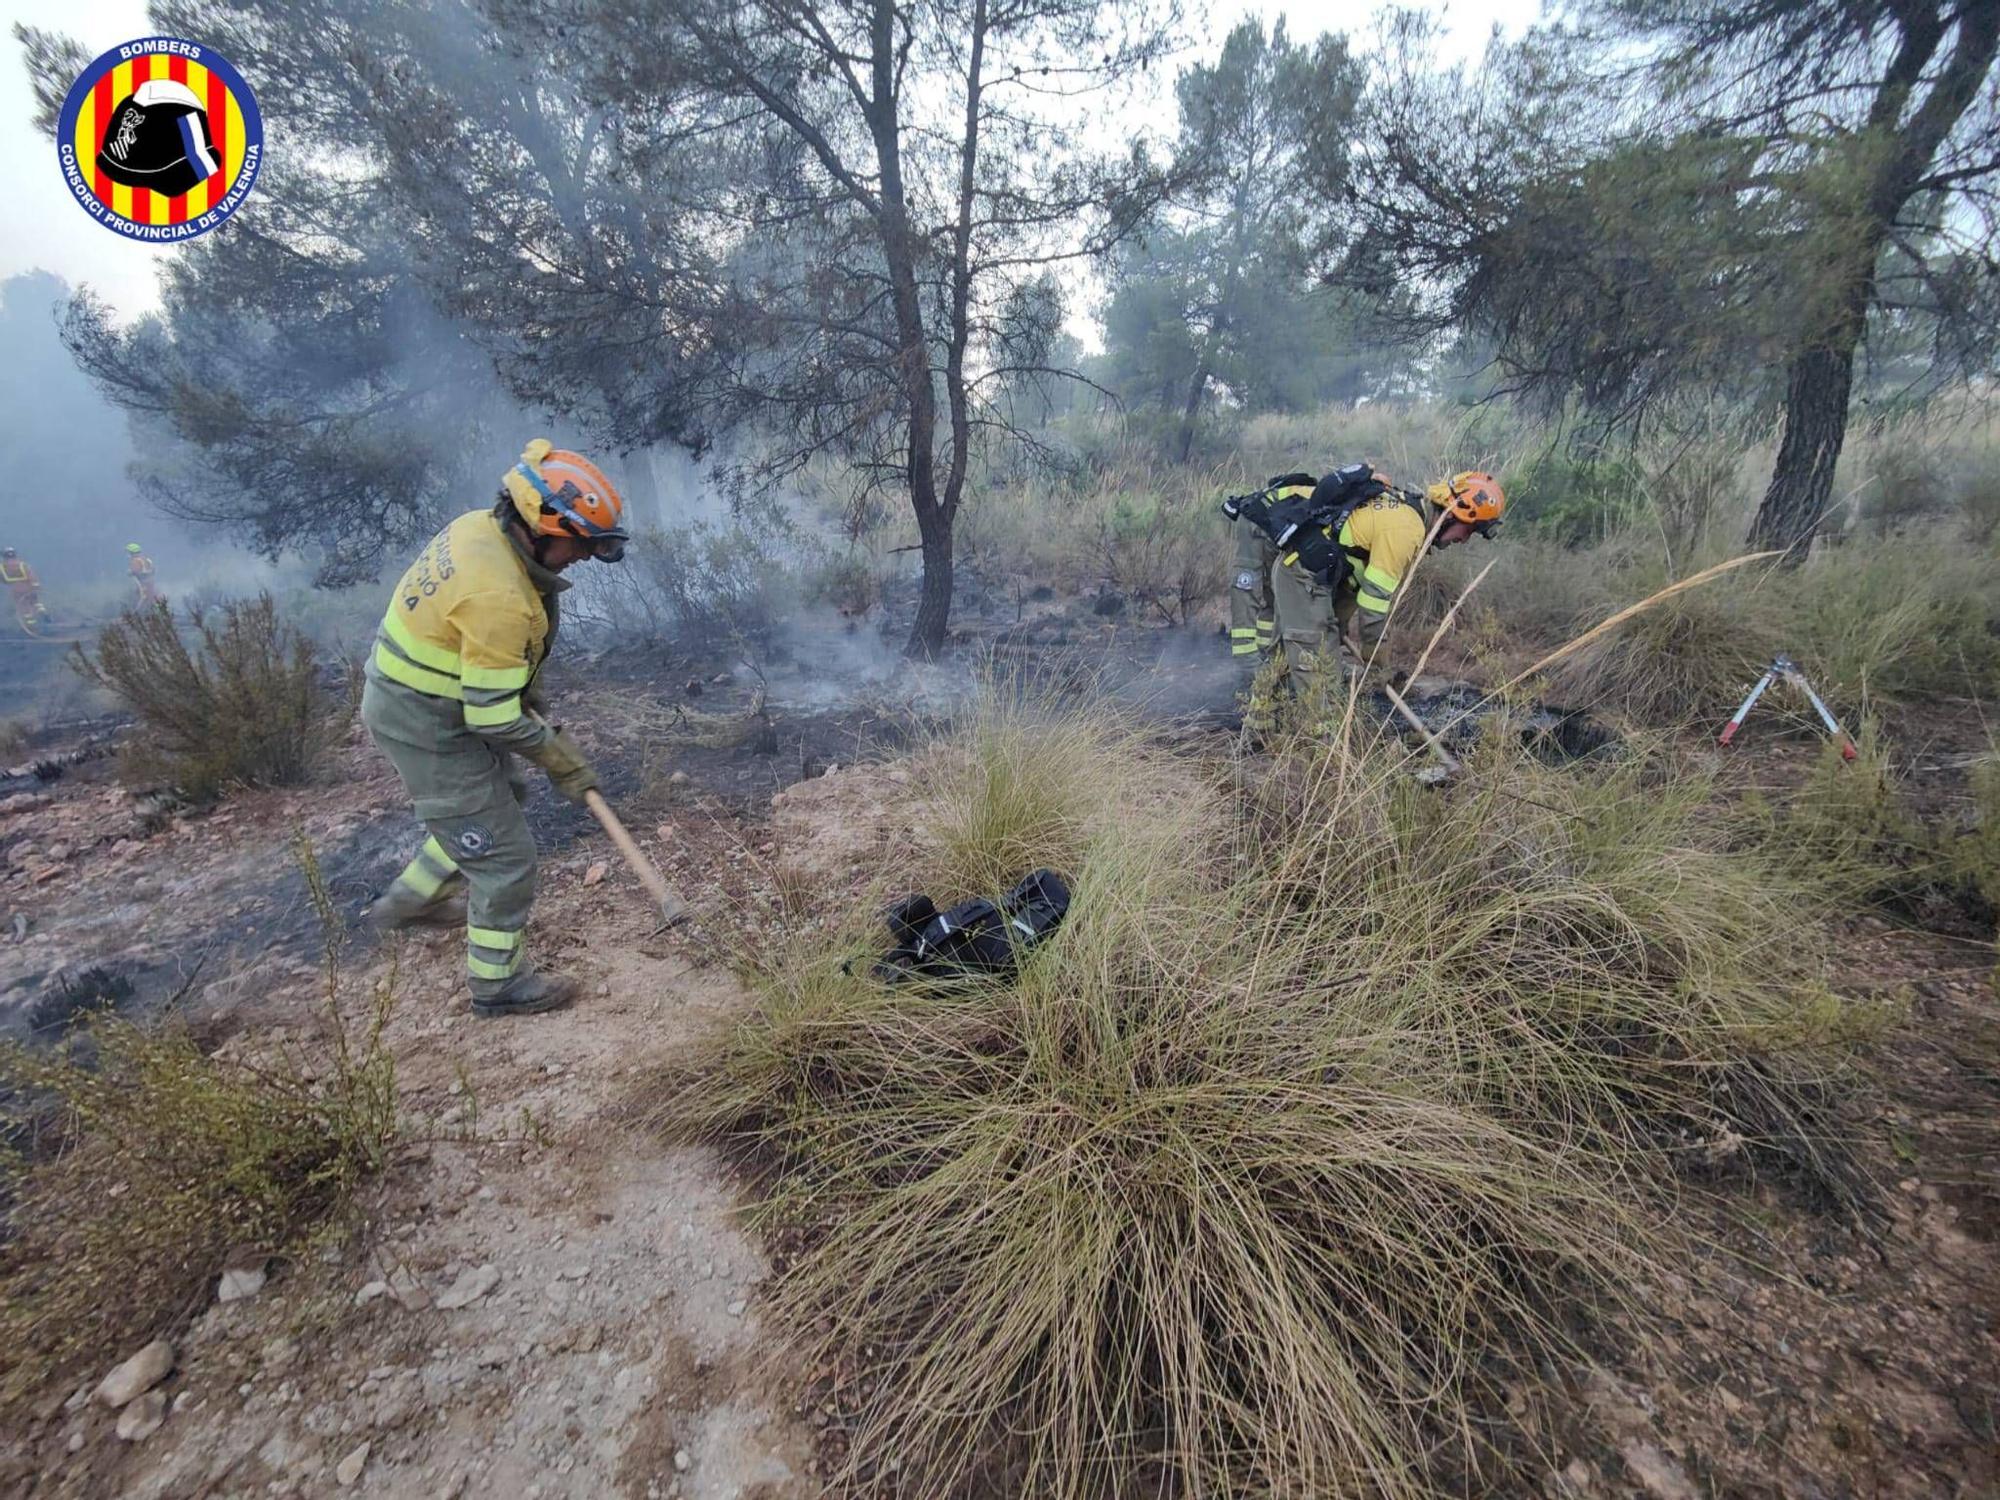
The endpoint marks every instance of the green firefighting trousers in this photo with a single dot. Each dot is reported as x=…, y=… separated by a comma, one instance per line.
x=1253, y=629
x=468, y=796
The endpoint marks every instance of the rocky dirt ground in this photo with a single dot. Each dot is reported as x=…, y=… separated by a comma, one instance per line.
x=541, y=1300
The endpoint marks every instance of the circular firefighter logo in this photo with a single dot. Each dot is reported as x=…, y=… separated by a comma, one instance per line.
x=160, y=139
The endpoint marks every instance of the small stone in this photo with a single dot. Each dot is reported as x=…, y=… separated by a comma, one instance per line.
x=406, y=1289
x=349, y=1468
x=596, y=873
x=76, y=1440
x=1663, y=1478
x=738, y=1308
x=137, y=1375
x=143, y=1417
x=370, y=1292
x=683, y=1460
x=240, y=1282
x=470, y=1287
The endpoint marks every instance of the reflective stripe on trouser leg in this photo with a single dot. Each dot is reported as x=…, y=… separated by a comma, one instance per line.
x=492, y=953
x=496, y=854
x=424, y=876
x=465, y=793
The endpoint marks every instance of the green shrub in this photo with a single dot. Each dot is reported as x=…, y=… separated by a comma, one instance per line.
x=138, y=1163
x=704, y=584
x=247, y=704
x=1573, y=499
x=1268, y=1170
x=1686, y=660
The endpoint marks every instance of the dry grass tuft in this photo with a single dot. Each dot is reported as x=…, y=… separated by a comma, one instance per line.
x=1266, y=1169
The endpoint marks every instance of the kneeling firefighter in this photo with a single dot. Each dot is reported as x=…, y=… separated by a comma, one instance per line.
x=1343, y=550
x=451, y=698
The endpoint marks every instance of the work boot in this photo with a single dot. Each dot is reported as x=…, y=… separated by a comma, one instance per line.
x=526, y=994
x=395, y=909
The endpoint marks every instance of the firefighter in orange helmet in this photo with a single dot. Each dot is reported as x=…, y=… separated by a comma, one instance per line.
x=1343, y=552
x=141, y=568
x=25, y=589
x=450, y=697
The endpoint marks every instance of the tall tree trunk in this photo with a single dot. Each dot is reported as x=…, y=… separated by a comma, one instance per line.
x=1191, y=409
x=1816, y=396
x=933, y=621
x=1821, y=377
x=899, y=254
x=928, y=634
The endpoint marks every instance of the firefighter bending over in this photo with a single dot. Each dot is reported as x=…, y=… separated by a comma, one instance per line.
x=452, y=698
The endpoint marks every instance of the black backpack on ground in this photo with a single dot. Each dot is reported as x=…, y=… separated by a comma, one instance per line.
x=975, y=938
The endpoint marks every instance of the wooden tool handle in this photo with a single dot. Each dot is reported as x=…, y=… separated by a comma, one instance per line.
x=1409, y=714
x=672, y=908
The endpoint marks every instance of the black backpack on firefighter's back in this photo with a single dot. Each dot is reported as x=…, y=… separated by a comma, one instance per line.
x=975, y=938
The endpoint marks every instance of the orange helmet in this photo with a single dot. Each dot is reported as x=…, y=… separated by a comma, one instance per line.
x=559, y=493
x=1474, y=497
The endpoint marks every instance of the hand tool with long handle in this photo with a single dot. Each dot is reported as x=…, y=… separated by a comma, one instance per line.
x=1409, y=714
x=672, y=908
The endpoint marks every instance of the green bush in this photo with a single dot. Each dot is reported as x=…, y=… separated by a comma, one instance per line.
x=703, y=583
x=1974, y=854
x=1684, y=661
x=247, y=704
x=1573, y=499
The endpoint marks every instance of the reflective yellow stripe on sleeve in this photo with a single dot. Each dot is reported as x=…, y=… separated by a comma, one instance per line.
x=494, y=677
x=486, y=715
x=410, y=675
x=423, y=653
